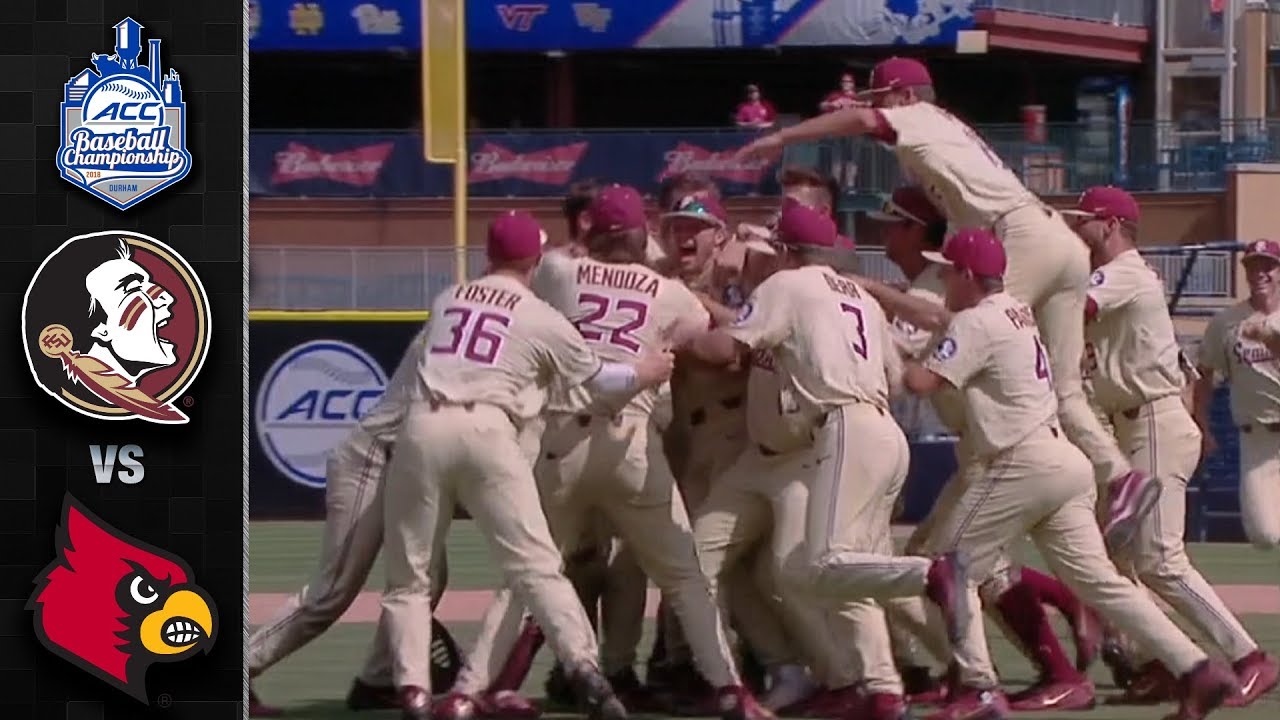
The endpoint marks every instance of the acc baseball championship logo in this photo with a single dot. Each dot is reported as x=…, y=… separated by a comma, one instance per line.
x=112, y=606
x=124, y=126
x=309, y=400
x=116, y=325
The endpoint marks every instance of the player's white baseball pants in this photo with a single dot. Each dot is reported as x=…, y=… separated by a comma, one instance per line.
x=1260, y=485
x=470, y=455
x=349, y=546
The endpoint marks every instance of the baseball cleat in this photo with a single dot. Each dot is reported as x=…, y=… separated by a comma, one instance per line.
x=559, y=691
x=633, y=694
x=1086, y=630
x=508, y=705
x=947, y=586
x=735, y=702
x=1055, y=695
x=1130, y=498
x=415, y=703
x=788, y=685
x=879, y=706
x=363, y=696
x=258, y=710
x=1151, y=685
x=1257, y=673
x=595, y=694
x=969, y=703
x=920, y=686
x=1203, y=690
x=456, y=706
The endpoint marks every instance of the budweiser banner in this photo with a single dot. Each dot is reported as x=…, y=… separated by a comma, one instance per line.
x=516, y=164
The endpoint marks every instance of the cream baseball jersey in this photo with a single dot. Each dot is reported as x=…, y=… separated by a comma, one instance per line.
x=491, y=339
x=1132, y=348
x=383, y=419
x=992, y=352
x=621, y=310
x=1252, y=370
x=948, y=403
x=829, y=337
x=959, y=170
x=774, y=417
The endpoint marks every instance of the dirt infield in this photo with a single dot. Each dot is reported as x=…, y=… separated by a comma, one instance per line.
x=469, y=605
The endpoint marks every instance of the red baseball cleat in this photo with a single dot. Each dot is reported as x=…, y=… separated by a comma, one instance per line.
x=826, y=703
x=258, y=710
x=1257, y=674
x=1153, y=684
x=974, y=704
x=1130, y=498
x=508, y=705
x=878, y=706
x=1203, y=689
x=456, y=706
x=735, y=702
x=1055, y=695
x=947, y=586
x=415, y=703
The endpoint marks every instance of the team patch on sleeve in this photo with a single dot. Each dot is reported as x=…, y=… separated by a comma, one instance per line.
x=744, y=313
x=1097, y=278
x=945, y=350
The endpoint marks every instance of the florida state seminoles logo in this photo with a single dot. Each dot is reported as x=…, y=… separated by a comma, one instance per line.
x=116, y=325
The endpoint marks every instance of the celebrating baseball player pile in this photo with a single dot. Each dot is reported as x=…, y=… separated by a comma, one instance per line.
x=710, y=411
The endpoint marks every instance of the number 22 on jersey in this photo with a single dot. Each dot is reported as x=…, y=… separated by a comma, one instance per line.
x=611, y=321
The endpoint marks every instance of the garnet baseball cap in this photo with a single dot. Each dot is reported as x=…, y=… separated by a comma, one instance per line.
x=802, y=226
x=1103, y=202
x=699, y=207
x=973, y=249
x=909, y=204
x=1263, y=248
x=617, y=207
x=898, y=72
x=514, y=235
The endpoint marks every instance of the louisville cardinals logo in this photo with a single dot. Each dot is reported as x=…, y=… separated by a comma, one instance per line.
x=112, y=606
x=116, y=325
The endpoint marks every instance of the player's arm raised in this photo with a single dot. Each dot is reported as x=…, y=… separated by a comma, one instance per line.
x=849, y=121
x=920, y=312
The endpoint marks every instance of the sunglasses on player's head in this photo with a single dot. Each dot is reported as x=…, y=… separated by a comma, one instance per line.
x=892, y=208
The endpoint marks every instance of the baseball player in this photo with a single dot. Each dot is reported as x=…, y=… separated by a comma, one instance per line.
x=489, y=342
x=831, y=343
x=1138, y=376
x=1240, y=346
x=1049, y=268
x=1013, y=596
x=1030, y=480
x=350, y=543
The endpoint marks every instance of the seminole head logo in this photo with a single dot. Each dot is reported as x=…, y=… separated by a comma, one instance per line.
x=115, y=326
x=112, y=606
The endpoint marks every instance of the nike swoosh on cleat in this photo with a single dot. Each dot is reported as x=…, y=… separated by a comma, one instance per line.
x=1055, y=699
x=1247, y=687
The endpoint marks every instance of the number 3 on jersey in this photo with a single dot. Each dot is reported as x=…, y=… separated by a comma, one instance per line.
x=860, y=342
x=1042, y=361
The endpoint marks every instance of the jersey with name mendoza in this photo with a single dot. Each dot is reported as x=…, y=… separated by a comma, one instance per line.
x=993, y=354
x=916, y=343
x=1133, y=342
x=955, y=165
x=829, y=337
x=1251, y=368
x=492, y=341
x=640, y=305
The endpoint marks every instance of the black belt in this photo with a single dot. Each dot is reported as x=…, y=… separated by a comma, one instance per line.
x=699, y=415
x=1269, y=427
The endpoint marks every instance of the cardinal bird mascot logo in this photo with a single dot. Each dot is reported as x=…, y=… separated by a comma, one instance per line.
x=112, y=606
x=116, y=326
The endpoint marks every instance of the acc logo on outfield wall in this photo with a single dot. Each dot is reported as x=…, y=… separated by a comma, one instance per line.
x=309, y=400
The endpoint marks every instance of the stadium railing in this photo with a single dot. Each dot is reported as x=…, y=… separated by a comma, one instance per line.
x=1139, y=13
x=303, y=278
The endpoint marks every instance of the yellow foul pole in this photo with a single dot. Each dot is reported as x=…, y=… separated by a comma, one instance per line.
x=444, y=106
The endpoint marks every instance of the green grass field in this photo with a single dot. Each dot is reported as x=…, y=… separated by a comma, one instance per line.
x=313, y=683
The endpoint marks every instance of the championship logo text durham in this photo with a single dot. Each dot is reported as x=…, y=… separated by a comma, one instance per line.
x=116, y=326
x=124, y=126
x=112, y=606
